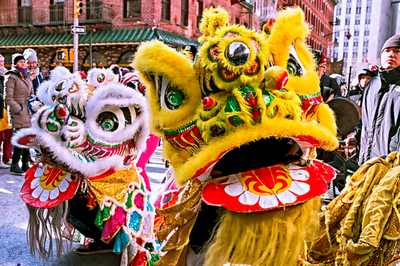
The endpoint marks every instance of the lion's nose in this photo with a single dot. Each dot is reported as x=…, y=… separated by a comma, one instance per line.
x=208, y=103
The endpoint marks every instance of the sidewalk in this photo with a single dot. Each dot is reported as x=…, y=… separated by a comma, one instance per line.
x=14, y=250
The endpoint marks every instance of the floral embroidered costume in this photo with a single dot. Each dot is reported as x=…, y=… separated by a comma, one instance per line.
x=240, y=127
x=88, y=136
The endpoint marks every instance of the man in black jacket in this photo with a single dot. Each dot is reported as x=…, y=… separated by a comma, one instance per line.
x=329, y=87
x=380, y=132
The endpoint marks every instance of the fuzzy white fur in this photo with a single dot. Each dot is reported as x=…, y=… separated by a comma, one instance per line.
x=43, y=92
x=115, y=94
x=109, y=77
x=64, y=155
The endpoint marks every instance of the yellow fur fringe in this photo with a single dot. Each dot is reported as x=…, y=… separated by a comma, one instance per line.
x=268, y=239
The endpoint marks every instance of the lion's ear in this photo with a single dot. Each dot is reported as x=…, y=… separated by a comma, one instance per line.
x=213, y=19
x=172, y=87
x=287, y=44
x=289, y=28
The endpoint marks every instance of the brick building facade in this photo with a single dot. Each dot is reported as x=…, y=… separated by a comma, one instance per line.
x=319, y=15
x=45, y=26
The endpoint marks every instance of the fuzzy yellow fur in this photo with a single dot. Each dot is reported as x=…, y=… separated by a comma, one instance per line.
x=221, y=41
x=213, y=18
x=274, y=238
x=289, y=29
x=278, y=128
x=156, y=57
x=326, y=117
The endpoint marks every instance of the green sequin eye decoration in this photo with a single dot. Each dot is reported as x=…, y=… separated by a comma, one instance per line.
x=173, y=98
x=108, y=121
x=294, y=67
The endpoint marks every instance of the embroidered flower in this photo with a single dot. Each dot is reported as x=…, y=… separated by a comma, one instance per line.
x=49, y=187
x=298, y=187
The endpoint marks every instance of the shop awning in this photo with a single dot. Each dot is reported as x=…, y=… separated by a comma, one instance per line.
x=100, y=37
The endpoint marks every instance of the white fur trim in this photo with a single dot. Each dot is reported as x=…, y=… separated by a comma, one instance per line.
x=20, y=134
x=116, y=94
x=65, y=155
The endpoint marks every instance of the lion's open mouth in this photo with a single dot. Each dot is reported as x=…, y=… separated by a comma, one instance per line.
x=257, y=154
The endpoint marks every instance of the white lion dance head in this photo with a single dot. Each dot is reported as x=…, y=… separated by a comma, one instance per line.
x=88, y=135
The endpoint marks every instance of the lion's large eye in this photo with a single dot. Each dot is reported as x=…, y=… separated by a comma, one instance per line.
x=100, y=78
x=59, y=86
x=294, y=65
x=108, y=121
x=237, y=53
x=171, y=97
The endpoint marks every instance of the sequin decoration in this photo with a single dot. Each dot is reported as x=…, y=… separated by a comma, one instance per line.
x=139, y=201
x=135, y=221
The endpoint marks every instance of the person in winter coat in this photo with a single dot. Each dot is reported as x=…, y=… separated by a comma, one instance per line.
x=18, y=91
x=380, y=132
x=33, y=68
x=355, y=94
x=329, y=87
x=5, y=128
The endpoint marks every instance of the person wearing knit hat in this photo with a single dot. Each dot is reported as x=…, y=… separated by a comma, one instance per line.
x=17, y=58
x=390, y=53
x=5, y=126
x=380, y=133
x=34, y=71
x=18, y=91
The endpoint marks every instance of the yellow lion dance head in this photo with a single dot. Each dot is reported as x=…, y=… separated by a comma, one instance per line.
x=245, y=119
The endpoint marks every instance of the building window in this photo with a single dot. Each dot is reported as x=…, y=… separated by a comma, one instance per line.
x=366, y=33
x=166, y=9
x=185, y=12
x=94, y=9
x=345, y=44
x=345, y=55
x=354, y=54
x=200, y=7
x=367, y=21
x=355, y=44
x=365, y=44
x=338, y=11
x=368, y=10
x=56, y=11
x=348, y=10
x=132, y=8
x=347, y=21
x=357, y=22
x=25, y=11
x=356, y=33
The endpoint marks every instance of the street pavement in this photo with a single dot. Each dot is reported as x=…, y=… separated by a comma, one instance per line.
x=14, y=250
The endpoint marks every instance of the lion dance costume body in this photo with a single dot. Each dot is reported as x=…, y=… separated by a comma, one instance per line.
x=362, y=225
x=240, y=127
x=88, y=135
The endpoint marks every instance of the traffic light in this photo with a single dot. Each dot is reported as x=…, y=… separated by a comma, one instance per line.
x=78, y=7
